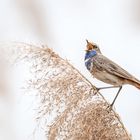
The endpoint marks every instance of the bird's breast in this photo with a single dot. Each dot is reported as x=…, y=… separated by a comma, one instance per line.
x=89, y=64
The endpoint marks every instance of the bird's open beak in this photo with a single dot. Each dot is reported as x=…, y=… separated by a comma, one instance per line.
x=87, y=45
x=90, y=46
x=87, y=41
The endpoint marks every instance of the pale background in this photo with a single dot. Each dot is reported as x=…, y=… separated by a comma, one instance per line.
x=64, y=25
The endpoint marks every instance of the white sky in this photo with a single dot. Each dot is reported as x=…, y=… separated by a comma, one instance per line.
x=113, y=25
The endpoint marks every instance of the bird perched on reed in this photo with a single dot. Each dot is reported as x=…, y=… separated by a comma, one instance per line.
x=106, y=70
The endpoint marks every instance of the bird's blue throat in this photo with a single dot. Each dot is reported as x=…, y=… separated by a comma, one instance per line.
x=88, y=57
x=90, y=54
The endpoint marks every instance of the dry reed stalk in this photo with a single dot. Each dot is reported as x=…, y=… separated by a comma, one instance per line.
x=69, y=109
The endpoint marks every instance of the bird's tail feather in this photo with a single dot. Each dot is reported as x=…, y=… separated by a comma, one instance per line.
x=135, y=83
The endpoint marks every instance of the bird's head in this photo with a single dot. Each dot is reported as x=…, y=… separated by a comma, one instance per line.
x=92, y=47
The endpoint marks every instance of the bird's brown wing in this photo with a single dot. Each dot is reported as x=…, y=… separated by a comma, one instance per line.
x=106, y=64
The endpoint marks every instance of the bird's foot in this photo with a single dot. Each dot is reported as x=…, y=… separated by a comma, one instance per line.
x=110, y=107
x=96, y=90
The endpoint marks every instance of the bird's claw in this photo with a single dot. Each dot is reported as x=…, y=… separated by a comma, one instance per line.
x=96, y=90
x=110, y=107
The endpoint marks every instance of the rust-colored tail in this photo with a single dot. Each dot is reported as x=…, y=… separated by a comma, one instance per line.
x=135, y=83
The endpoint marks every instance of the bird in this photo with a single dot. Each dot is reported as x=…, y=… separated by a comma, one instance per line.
x=107, y=71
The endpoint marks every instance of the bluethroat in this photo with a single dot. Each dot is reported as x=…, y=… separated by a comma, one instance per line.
x=106, y=70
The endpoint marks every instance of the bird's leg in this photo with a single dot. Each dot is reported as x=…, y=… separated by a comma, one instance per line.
x=97, y=89
x=120, y=87
x=116, y=97
x=107, y=87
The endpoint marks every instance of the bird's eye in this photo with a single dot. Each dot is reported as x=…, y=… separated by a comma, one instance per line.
x=95, y=47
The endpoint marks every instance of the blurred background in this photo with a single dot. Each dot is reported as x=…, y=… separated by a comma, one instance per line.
x=64, y=25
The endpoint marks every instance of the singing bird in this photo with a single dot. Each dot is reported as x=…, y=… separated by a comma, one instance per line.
x=106, y=70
